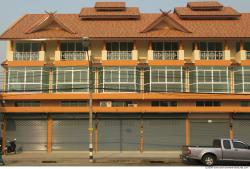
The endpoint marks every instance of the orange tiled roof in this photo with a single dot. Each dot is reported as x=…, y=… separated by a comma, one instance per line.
x=205, y=5
x=130, y=12
x=130, y=28
x=110, y=5
x=186, y=12
x=112, y=27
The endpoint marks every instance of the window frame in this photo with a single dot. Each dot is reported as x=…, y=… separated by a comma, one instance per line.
x=119, y=82
x=25, y=71
x=71, y=83
x=167, y=70
x=194, y=78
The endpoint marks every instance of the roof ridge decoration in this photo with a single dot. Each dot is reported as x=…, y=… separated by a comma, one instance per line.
x=44, y=22
x=170, y=21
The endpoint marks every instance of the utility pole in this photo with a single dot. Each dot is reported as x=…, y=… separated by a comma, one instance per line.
x=86, y=43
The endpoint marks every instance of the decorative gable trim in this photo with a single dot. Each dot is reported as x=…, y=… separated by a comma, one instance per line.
x=162, y=18
x=45, y=22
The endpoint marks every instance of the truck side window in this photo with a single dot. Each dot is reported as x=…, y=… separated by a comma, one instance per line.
x=240, y=145
x=226, y=144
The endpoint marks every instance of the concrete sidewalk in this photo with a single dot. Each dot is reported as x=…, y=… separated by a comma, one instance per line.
x=81, y=158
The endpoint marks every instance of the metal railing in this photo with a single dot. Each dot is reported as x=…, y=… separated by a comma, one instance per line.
x=73, y=55
x=26, y=56
x=119, y=55
x=211, y=55
x=165, y=55
x=247, y=54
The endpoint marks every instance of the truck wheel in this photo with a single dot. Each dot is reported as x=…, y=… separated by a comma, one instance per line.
x=208, y=160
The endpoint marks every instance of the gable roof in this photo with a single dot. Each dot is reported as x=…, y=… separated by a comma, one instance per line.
x=165, y=17
x=47, y=20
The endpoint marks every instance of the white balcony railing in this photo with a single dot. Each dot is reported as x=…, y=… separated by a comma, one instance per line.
x=248, y=55
x=26, y=56
x=212, y=55
x=165, y=55
x=119, y=55
x=73, y=55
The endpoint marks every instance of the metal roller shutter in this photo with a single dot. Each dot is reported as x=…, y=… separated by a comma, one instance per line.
x=70, y=134
x=202, y=132
x=164, y=134
x=30, y=134
x=109, y=135
x=241, y=130
x=119, y=134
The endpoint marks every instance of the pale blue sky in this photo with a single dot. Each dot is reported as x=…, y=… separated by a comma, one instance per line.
x=11, y=10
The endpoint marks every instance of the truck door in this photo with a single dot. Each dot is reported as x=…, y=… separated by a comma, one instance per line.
x=241, y=151
x=226, y=150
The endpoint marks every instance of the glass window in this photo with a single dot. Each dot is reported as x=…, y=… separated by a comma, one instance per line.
x=226, y=144
x=74, y=103
x=209, y=79
x=121, y=103
x=72, y=46
x=71, y=79
x=245, y=103
x=208, y=103
x=164, y=103
x=165, y=46
x=211, y=46
x=27, y=103
x=119, y=46
x=239, y=145
x=27, y=47
x=119, y=79
x=166, y=79
x=26, y=79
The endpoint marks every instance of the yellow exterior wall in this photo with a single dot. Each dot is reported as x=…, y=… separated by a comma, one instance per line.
x=50, y=50
x=142, y=47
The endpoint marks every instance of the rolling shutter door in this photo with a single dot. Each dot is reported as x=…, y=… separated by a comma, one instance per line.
x=202, y=132
x=117, y=133
x=241, y=126
x=70, y=133
x=164, y=133
x=30, y=132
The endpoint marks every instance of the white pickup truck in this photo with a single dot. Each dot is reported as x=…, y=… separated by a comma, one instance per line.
x=222, y=150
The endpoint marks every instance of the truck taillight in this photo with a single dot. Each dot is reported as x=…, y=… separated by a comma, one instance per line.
x=188, y=151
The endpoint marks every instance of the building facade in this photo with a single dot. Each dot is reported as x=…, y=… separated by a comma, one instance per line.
x=161, y=80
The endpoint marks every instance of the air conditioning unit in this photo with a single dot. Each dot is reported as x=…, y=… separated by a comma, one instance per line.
x=105, y=103
x=132, y=105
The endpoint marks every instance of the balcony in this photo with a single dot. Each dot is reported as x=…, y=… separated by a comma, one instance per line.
x=119, y=55
x=212, y=55
x=165, y=55
x=25, y=56
x=73, y=55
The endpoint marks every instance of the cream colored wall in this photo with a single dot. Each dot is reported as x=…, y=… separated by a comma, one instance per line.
x=142, y=47
x=50, y=50
x=188, y=49
x=96, y=49
x=232, y=47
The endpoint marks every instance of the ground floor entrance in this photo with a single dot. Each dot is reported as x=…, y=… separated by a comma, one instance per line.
x=122, y=132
